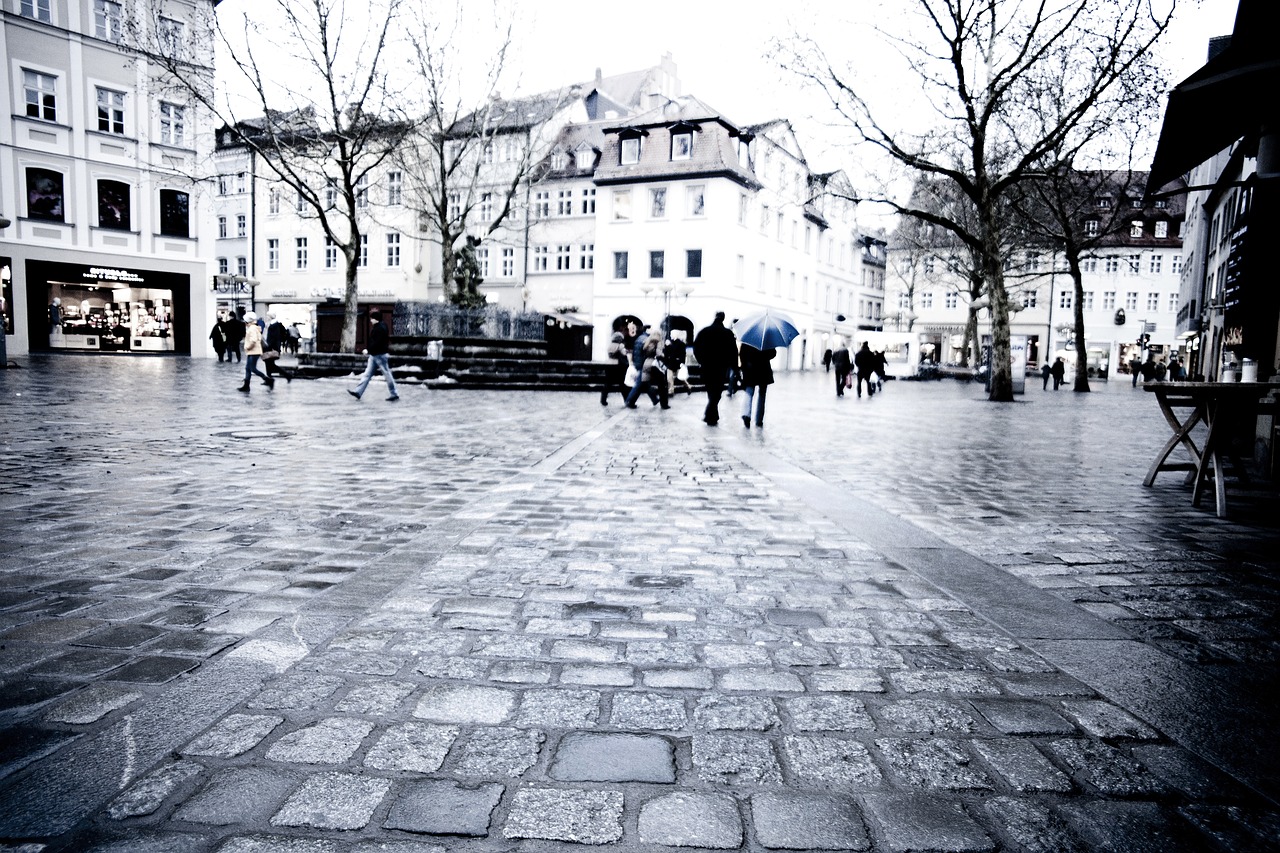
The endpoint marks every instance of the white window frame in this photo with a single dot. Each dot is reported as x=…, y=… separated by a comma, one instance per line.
x=110, y=111
x=393, y=249
x=1131, y=300
x=273, y=253
x=362, y=192
x=542, y=204
x=242, y=225
x=1162, y=230
x=40, y=91
x=486, y=207
x=621, y=264
x=563, y=260
x=224, y=266
x=300, y=253
x=541, y=258
x=173, y=124
x=1108, y=300
x=330, y=253
x=395, y=188
x=622, y=205
x=697, y=197
x=171, y=35
x=1135, y=229
x=222, y=227
x=362, y=256
x=629, y=150
x=682, y=145
x=37, y=10
x=564, y=203
x=658, y=203
x=108, y=20
x=589, y=201
x=587, y=256
x=273, y=201
x=242, y=265
x=508, y=262
x=1155, y=264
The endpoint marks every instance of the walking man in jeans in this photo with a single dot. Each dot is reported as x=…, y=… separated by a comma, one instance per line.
x=379, y=343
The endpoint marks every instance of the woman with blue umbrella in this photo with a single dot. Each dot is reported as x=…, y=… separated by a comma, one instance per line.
x=760, y=335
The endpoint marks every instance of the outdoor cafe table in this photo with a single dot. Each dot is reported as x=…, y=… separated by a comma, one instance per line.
x=1217, y=405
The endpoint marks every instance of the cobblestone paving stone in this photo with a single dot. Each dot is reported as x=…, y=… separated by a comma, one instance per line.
x=510, y=621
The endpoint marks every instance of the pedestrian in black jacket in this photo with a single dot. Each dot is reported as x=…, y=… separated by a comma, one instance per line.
x=716, y=350
x=757, y=376
x=865, y=364
x=843, y=364
x=277, y=340
x=377, y=347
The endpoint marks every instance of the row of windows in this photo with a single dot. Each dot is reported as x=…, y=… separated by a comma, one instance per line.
x=1034, y=262
x=40, y=93
x=1066, y=299
x=542, y=203
x=46, y=202
x=658, y=264
x=695, y=203
x=108, y=23
x=329, y=197
x=302, y=250
x=631, y=145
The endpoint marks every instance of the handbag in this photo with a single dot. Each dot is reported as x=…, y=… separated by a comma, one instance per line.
x=632, y=375
x=271, y=355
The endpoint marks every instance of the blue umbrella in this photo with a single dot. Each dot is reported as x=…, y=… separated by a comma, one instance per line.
x=766, y=330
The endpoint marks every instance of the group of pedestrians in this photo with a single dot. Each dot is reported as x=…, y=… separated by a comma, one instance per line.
x=261, y=340
x=863, y=368
x=643, y=361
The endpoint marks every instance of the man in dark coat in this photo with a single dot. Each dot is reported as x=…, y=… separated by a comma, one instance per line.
x=716, y=349
x=234, y=331
x=277, y=341
x=865, y=364
x=840, y=360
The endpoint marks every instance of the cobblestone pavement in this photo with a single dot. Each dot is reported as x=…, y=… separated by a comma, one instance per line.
x=291, y=621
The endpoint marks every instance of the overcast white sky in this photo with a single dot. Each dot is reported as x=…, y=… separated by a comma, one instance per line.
x=721, y=51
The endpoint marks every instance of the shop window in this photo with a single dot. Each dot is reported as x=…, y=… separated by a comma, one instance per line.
x=44, y=195
x=175, y=218
x=113, y=205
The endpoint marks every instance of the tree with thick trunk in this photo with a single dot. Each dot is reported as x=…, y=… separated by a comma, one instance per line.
x=981, y=65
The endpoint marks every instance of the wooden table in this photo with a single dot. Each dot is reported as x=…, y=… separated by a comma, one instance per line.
x=1217, y=405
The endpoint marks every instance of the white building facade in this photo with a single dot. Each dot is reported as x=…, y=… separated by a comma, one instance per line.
x=100, y=168
x=1131, y=283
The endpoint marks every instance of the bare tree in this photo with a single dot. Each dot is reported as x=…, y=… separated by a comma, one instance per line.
x=473, y=162
x=1058, y=206
x=324, y=107
x=983, y=66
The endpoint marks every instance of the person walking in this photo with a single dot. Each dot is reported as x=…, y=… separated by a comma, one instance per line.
x=377, y=347
x=830, y=354
x=253, y=352
x=842, y=363
x=716, y=350
x=1045, y=372
x=277, y=342
x=615, y=375
x=653, y=374
x=674, y=353
x=865, y=364
x=234, y=331
x=757, y=376
x=219, y=338
x=295, y=338
x=1059, y=371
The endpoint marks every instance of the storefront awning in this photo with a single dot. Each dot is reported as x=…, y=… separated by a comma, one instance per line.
x=1231, y=97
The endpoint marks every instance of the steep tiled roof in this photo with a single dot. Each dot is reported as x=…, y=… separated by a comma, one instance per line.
x=715, y=147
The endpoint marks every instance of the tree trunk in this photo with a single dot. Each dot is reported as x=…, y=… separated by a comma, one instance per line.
x=350, y=301
x=1001, y=354
x=1082, y=352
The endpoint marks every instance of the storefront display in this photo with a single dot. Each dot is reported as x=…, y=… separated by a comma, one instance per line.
x=104, y=309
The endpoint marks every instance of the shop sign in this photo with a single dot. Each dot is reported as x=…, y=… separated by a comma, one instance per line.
x=284, y=293
x=109, y=274
x=339, y=293
x=231, y=284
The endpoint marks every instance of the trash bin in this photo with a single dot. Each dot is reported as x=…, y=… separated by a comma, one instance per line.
x=435, y=350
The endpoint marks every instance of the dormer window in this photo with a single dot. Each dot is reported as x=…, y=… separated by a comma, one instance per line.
x=1091, y=227
x=559, y=160
x=1103, y=202
x=1135, y=228
x=629, y=150
x=682, y=145
x=586, y=158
